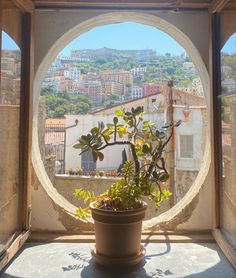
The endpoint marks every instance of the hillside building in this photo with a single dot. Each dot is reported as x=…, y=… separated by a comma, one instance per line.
x=137, y=92
x=72, y=73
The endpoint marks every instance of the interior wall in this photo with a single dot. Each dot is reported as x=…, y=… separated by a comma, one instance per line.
x=49, y=28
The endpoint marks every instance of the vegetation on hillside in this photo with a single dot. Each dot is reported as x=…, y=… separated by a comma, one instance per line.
x=159, y=70
x=57, y=105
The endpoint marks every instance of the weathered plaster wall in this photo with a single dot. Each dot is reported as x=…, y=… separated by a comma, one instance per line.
x=48, y=216
x=9, y=169
x=188, y=169
x=50, y=210
x=199, y=213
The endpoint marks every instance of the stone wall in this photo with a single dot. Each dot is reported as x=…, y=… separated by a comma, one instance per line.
x=66, y=186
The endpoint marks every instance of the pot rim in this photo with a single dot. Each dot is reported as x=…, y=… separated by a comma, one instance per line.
x=118, y=212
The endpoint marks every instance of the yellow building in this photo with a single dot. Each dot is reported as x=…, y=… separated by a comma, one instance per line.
x=113, y=88
x=120, y=76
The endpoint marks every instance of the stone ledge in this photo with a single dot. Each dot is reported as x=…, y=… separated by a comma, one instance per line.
x=146, y=238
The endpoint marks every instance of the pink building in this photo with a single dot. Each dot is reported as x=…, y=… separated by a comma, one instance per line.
x=67, y=85
x=150, y=89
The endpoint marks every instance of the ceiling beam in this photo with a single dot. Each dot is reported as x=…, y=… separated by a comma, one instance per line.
x=217, y=5
x=164, y=4
x=25, y=5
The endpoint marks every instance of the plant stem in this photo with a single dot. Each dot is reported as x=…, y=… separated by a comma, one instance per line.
x=134, y=155
x=114, y=143
x=115, y=133
x=136, y=164
x=157, y=155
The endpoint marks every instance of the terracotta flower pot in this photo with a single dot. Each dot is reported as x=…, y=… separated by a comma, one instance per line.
x=118, y=236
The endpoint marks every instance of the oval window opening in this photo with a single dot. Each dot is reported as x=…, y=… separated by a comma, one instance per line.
x=112, y=67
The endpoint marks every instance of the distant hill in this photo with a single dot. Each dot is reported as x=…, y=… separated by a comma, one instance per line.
x=109, y=53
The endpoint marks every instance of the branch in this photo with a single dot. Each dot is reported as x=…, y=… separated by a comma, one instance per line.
x=157, y=155
x=167, y=141
x=136, y=164
x=115, y=134
x=159, y=187
x=103, y=136
x=150, y=129
x=163, y=166
x=114, y=143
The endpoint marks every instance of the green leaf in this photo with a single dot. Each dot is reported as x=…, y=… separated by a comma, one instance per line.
x=107, y=137
x=178, y=123
x=97, y=145
x=145, y=128
x=137, y=110
x=115, y=120
x=119, y=112
x=146, y=123
x=100, y=156
x=94, y=130
x=78, y=146
x=120, y=134
x=83, y=138
x=148, y=135
x=155, y=175
x=95, y=155
x=102, y=125
x=166, y=194
x=146, y=148
x=130, y=122
x=110, y=126
x=83, y=213
x=167, y=125
x=163, y=177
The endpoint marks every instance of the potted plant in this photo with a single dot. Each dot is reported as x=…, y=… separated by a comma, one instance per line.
x=92, y=173
x=80, y=172
x=118, y=212
x=101, y=173
x=71, y=172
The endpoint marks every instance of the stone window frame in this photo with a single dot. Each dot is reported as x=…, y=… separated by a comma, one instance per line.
x=180, y=212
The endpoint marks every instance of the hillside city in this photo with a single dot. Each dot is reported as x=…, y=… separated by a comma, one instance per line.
x=10, y=77
x=90, y=79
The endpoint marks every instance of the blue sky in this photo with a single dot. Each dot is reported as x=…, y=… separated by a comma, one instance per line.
x=125, y=36
x=8, y=43
x=230, y=45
